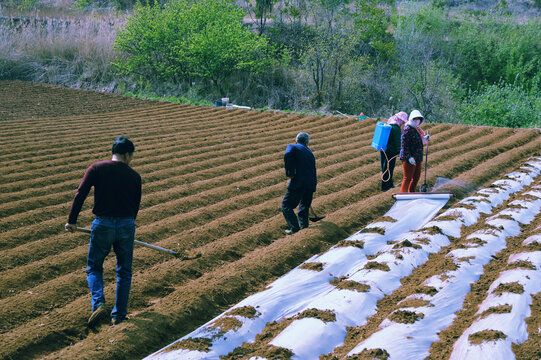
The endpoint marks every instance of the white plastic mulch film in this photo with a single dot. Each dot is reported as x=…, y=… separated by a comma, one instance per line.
x=402, y=241
x=304, y=289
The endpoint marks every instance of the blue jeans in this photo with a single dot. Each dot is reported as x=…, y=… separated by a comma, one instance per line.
x=118, y=233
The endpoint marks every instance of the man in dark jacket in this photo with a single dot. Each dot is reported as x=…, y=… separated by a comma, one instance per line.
x=117, y=196
x=300, y=166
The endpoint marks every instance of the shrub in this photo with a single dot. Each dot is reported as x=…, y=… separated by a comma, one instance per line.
x=189, y=41
x=495, y=49
x=502, y=105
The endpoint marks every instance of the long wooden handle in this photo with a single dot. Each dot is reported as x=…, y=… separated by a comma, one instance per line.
x=140, y=243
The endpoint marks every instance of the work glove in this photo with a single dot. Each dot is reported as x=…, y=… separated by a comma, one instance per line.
x=412, y=161
x=427, y=136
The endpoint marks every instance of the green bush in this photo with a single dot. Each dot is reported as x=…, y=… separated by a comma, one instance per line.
x=491, y=50
x=502, y=105
x=189, y=41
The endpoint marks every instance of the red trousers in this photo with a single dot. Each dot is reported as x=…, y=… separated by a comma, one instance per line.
x=412, y=173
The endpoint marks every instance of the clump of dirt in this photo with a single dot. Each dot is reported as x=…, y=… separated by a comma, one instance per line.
x=375, y=229
x=323, y=315
x=374, y=265
x=501, y=309
x=516, y=206
x=486, y=335
x=261, y=347
x=534, y=246
x=423, y=240
x=371, y=354
x=504, y=217
x=406, y=317
x=472, y=241
x=406, y=243
x=433, y=230
x=466, y=258
x=265, y=352
x=346, y=243
x=272, y=329
x=429, y=290
x=467, y=206
x=449, y=264
x=522, y=264
x=513, y=287
x=415, y=303
x=315, y=266
x=343, y=284
x=448, y=217
x=194, y=344
x=245, y=311
x=227, y=323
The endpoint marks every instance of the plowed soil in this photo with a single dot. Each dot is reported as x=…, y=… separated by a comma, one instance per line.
x=213, y=181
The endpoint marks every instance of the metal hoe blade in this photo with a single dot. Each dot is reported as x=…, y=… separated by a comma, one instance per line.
x=315, y=217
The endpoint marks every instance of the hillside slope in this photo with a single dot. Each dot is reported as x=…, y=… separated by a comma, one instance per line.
x=212, y=185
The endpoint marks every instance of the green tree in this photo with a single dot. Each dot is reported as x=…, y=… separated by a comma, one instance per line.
x=423, y=80
x=261, y=12
x=187, y=40
x=342, y=33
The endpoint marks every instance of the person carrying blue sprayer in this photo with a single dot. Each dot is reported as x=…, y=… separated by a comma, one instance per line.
x=388, y=157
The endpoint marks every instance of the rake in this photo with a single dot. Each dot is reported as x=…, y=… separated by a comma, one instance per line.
x=175, y=254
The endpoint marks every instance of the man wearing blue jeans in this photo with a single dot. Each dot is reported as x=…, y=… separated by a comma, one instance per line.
x=300, y=166
x=117, y=197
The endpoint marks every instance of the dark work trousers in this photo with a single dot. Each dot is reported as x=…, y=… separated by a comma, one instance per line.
x=387, y=176
x=292, y=198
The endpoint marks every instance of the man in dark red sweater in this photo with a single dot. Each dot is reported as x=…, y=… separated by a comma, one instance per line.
x=117, y=196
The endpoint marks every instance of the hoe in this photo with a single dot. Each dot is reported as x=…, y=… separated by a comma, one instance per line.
x=315, y=217
x=175, y=254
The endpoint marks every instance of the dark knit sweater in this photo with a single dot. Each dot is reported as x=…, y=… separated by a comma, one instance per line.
x=117, y=190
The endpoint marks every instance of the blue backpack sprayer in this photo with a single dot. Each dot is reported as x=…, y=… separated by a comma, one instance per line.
x=379, y=142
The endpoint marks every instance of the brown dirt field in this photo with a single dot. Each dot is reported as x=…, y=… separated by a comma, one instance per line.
x=213, y=181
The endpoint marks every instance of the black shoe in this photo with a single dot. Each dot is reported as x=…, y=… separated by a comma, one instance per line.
x=291, y=232
x=97, y=315
x=116, y=321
